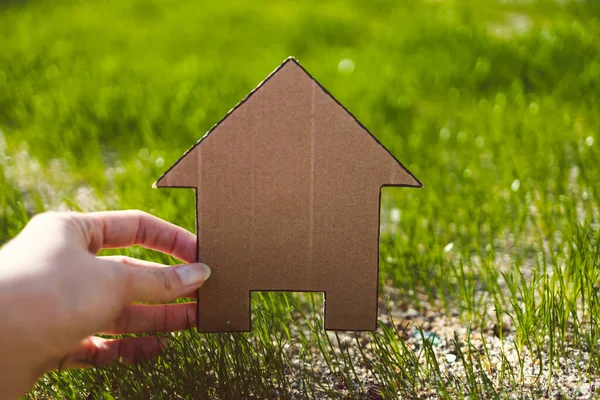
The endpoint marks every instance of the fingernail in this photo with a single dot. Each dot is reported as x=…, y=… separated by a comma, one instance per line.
x=163, y=343
x=193, y=274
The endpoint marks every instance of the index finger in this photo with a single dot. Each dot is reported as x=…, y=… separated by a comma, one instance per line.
x=116, y=229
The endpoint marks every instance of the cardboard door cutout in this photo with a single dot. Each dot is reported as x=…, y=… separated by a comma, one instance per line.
x=288, y=190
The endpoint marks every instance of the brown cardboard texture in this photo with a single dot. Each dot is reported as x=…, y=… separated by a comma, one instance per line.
x=288, y=195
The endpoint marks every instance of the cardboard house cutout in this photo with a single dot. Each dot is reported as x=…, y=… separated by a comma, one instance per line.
x=288, y=194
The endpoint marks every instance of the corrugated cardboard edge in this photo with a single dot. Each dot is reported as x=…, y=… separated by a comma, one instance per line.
x=239, y=104
x=292, y=59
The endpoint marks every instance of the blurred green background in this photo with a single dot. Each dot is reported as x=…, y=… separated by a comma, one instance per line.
x=470, y=95
x=493, y=105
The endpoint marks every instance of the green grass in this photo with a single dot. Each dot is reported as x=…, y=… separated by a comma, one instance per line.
x=493, y=105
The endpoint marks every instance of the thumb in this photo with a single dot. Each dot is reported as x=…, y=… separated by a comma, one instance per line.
x=157, y=284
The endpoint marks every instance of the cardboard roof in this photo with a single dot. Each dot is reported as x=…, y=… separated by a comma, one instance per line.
x=288, y=191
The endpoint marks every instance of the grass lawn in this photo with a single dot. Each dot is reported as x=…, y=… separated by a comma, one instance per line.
x=490, y=273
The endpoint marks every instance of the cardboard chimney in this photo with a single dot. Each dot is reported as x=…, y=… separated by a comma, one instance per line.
x=287, y=199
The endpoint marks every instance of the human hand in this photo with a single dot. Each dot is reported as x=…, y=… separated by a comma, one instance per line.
x=55, y=293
